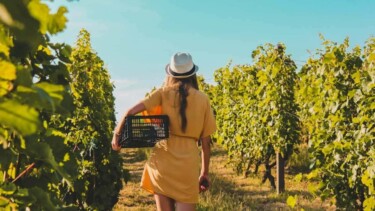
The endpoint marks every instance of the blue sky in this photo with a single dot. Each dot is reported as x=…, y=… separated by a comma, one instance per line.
x=136, y=38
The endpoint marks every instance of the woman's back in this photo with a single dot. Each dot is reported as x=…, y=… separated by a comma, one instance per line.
x=200, y=121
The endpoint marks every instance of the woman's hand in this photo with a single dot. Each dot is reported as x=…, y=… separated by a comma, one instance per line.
x=139, y=107
x=115, y=142
x=204, y=183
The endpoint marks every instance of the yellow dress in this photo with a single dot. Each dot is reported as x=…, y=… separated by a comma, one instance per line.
x=173, y=167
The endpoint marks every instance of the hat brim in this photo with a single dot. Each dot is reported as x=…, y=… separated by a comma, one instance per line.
x=179, y=75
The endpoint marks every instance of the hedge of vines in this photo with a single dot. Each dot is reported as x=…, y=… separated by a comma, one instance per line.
x=255, y=109
x=45, y=163
x=337, y=99
x=266, y=107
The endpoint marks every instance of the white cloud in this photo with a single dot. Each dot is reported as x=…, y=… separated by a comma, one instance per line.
x=124, y=83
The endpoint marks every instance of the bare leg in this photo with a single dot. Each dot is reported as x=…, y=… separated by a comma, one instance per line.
x=185, y=206
x=163, y=203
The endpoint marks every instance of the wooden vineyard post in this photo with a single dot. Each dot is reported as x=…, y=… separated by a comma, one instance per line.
x=280, y=185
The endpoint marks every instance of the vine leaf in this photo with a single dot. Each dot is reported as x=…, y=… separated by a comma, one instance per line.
x=8, y=70
x=292, y=201
x=42, y=198
x=22, y=118
x=7, y=189
x=43, y=152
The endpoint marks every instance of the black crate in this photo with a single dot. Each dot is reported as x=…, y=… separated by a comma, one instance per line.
x=144, y=131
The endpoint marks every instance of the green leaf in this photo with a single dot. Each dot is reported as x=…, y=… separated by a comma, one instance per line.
x=5, y=40
x=291, y=201
x=41, y=13
x=7, y=189
x=3, y=201
x=7, y=70
x=329, y=57
x=62, y=153
x=367, y=180
x=35, y=97
x=369, y=204
x=43, y=200
x=372, y=106
x=42, y=96
x=239, y=139
x=53, y=23
x=275, y=69
x=22, y=118
x=56, y=92
x=23, y=26
x=7, y=74
x=5, y=87
x=371, y=57
x=58, y=21
x=7, y=157
x=43, y=152
x=351, y=93
x=24, y=77
x=298, y=177
x=356, y=77
x=313, y=174
x=22, y=192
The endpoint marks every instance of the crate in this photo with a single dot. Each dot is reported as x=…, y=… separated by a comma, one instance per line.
x=144, y=131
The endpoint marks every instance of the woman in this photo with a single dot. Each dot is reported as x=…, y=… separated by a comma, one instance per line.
x=172, y=172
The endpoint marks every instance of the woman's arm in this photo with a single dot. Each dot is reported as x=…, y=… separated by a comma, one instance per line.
x=139, y=107
x=206, y=153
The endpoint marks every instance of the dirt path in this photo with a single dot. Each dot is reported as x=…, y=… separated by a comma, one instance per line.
x=132, y=197
x=228, y=191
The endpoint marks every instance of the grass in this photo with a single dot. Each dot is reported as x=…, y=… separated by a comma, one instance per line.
x=228, y=190
x=132, y=197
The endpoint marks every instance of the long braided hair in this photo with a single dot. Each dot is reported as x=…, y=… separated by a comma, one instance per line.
x=183, y=89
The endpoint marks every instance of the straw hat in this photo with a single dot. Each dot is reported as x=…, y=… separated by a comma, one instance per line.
x=181, y=66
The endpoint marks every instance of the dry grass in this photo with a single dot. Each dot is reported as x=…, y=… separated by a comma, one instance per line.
x=132, y=197
x=228, y=191
x=234, y=192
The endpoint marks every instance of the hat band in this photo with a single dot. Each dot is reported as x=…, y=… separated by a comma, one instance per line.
x=190, y=72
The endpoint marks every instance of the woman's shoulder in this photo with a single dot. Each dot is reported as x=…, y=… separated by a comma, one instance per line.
x=200, y=94
x=192, y=92
x=168, y=89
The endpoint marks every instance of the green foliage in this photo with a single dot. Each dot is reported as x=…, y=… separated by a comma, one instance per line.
x=257, y=115
x=336, y=95
x=55, y=154
x=299, y=161
x=276, y=104
x=90, y=130
x=255, y=108
x=33, y=88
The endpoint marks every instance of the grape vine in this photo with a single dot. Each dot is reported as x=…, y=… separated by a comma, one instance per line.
x=44, y=165
x=336, y=96
x=256, y=110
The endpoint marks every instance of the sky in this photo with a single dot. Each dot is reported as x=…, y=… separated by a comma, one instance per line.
x=136, y=38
